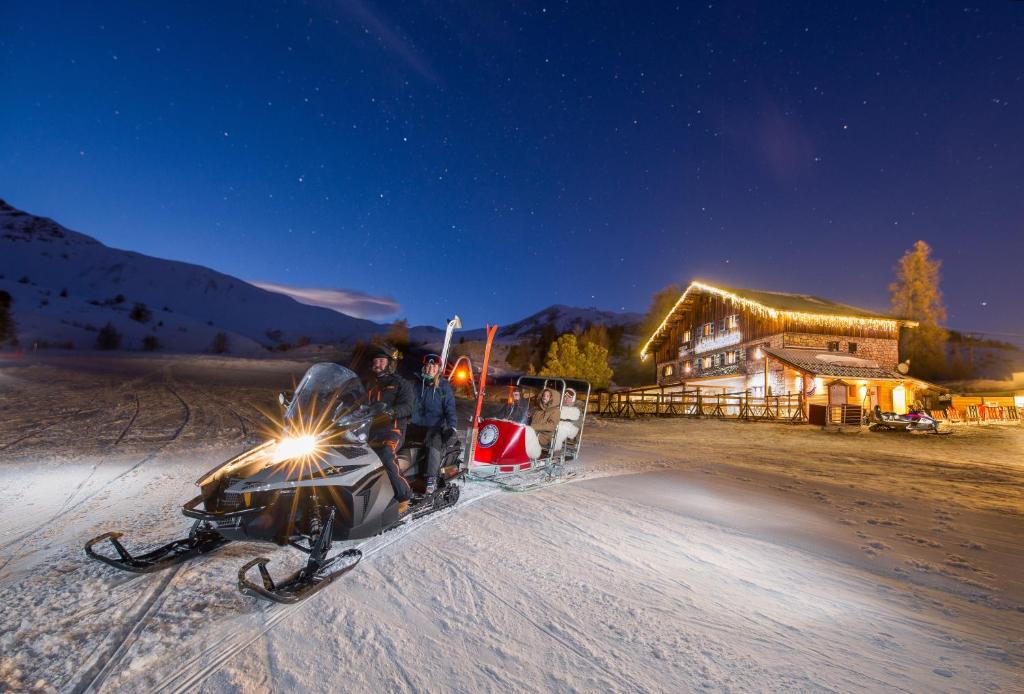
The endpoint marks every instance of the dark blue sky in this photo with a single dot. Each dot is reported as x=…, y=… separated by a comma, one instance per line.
x=495, y=159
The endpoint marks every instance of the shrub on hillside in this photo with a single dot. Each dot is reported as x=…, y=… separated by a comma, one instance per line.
x=108, y=337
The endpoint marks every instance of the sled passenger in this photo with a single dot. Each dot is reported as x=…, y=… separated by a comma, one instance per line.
x=517, y=409
x=568, y=428
x=386, y=433
x=545, y=418
x=434, y=416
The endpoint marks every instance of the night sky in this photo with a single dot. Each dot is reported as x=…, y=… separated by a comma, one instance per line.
x=493, y=159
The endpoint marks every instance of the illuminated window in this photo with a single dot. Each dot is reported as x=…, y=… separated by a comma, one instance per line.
x=686, y=337
x=708, y=329
x=731, y=357
x=668, y=370
x=733, y=322
x=687, y=367
x=705, y=363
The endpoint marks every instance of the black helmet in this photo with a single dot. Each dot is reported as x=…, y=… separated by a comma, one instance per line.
x=386, y=351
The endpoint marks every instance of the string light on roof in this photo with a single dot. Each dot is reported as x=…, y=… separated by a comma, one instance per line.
x=833, y=321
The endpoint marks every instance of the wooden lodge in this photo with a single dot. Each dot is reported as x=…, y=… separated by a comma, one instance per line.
x=742, y=351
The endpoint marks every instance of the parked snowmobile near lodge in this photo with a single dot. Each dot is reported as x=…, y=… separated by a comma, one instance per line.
x=318, y=483
x=915, y=420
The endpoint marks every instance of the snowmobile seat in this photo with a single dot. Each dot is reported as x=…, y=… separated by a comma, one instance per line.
x=408, y=460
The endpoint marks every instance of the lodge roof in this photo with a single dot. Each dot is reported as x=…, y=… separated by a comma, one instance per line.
x=834, y=364
x=803, y=306
x=804, y=303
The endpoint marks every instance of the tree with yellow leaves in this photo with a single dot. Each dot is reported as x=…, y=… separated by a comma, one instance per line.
x=567, y=359
x=916, y=296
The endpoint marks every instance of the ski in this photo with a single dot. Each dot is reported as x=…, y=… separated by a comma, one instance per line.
x=201, y=540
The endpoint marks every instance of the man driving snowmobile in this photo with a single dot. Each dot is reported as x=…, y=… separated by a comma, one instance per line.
x=433, y=417
x=387, y=431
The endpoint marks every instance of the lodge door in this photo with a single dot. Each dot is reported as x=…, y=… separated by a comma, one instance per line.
x=837, y=394
x=872, y=397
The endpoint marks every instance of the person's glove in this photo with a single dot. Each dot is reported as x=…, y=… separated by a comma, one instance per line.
x=448, y=435
x=380, y=410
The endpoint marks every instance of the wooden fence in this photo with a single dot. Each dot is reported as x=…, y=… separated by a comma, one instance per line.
x=656, y=402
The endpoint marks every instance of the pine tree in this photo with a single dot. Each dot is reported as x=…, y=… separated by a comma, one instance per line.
x=597, y=334
x=108, y=337
x=219, y=345
x=661, y=303
x=6, y=322
x=916, y=296
x=398, y=334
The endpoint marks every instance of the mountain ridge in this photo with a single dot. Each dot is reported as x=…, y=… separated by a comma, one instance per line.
x=67, y=285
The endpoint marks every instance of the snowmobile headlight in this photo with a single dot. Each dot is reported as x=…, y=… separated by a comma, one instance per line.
x=358, y=434
x=295, y=447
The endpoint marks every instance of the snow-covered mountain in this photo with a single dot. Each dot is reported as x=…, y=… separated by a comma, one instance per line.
x=565, y=319
x=66, y=286
x=557, y=319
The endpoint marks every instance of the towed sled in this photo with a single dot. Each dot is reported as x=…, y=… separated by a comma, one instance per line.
x=508, y=452
x=320, y=482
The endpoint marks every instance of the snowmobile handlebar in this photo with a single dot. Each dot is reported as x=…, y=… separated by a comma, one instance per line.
x=365, y=413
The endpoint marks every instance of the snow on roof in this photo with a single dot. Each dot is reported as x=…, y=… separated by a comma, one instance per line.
x=806, y=303
x=799, y=306
x=834, y=364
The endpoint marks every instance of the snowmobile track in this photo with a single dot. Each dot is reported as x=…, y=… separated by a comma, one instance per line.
x=547, y=632
x=60, y=420
x=67, y=509
x=195, y=670
x=131, y=421
x=126, y=635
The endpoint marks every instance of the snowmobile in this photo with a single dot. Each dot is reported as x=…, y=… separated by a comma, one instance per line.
x=915, y=420
x=318, y=482
x=507, y=451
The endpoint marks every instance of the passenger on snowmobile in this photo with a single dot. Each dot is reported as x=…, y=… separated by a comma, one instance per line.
x=433, y=417
x=395, y=394
x=545, y=418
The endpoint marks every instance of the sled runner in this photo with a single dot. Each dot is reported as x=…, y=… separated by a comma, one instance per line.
x=317, y=483
x=511, y=453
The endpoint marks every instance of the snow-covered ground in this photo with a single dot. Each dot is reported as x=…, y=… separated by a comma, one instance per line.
x=692, y=555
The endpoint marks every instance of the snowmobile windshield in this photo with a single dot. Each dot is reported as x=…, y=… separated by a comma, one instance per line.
x=327, y=390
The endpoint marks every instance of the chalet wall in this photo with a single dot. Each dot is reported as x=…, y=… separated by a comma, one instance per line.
x=710, y=308
x=884, y=351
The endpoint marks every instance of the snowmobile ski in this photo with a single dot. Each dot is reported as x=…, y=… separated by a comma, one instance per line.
x=201, y=540
x=316, y=575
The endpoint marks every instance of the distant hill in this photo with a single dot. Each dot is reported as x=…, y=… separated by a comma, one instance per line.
x=66, y=286
x=557, y=318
